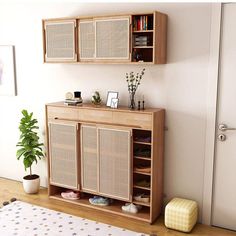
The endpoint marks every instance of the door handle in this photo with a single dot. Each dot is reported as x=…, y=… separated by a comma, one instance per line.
x=224, y=127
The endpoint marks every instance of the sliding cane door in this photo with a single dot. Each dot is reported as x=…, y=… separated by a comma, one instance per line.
x=63, y=146
x=114, y=163
x=89, y=161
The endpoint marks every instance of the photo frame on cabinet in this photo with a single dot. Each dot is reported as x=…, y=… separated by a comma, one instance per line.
x=110, y=96
x=114, y=102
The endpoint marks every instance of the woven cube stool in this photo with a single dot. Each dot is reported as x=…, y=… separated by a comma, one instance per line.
x=181, y=214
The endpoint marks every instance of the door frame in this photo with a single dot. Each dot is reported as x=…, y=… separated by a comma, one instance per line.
x=211, y=113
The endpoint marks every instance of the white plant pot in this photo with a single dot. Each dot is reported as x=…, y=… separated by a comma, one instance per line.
x=31, y=185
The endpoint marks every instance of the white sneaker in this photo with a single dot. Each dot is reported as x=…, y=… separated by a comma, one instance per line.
x=139, y=207
x=131, y=208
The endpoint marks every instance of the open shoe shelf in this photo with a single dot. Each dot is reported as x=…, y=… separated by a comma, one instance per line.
x=114, y=207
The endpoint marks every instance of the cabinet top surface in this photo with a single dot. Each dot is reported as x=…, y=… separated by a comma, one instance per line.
x=104, y=108
x=106, y=15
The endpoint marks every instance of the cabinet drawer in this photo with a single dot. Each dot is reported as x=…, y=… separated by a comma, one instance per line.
x=133, y=119
x=62, y=113
x=95, y=116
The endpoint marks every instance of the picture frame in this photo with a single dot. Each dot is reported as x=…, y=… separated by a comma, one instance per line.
x=110, y=96
x=7, y=71
x=114, y=102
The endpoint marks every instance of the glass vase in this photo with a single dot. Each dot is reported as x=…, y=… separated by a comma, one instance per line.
x=132, y=101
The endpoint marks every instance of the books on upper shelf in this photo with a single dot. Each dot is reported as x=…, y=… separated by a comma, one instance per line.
x=141, y=23
x=73, y=102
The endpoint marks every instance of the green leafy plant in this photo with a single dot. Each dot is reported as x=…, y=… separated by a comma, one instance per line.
x=96, y=98
x=29, y=147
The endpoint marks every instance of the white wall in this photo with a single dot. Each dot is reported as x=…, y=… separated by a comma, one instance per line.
x=180, y=86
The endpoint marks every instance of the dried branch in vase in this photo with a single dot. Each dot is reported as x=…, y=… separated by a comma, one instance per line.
x=133, y=82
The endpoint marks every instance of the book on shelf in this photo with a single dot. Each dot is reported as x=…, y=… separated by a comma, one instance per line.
x=141, y=44
x=141, y=41
x=140, y=23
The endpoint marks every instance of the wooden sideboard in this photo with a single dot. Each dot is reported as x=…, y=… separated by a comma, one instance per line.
x=99, y=151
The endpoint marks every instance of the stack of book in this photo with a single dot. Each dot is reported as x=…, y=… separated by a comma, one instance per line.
x=141, y=41
x=140, y=23
x=73, y=102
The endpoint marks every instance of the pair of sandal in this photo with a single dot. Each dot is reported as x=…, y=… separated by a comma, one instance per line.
x=70, y=195
x=100, y=201
x=131, y=208
x=142, y=197
x=143, y=183
x=145, y=169
x=143, y=139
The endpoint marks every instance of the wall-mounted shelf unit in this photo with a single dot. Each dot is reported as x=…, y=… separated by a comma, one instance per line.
x=130, y=38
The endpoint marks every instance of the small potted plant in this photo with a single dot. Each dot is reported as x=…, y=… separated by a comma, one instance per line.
x=30, y=150
x=96, y=98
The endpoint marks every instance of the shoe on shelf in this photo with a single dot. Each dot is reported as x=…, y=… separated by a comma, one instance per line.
x=139, y=207
x=142, y=198
x=143, y=183
x=143, y=152
x=143, y=139
x=145, y=169
x=100, y=201
x=71, y=195
x=130, y=207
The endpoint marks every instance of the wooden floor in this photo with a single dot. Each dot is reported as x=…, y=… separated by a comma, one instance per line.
x=9, y=189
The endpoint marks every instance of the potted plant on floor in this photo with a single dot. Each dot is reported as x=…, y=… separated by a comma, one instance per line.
x=30, y=150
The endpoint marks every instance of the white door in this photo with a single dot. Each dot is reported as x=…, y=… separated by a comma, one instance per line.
x=224, y=195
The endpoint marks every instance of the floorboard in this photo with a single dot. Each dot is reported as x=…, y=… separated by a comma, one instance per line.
x=10, y=188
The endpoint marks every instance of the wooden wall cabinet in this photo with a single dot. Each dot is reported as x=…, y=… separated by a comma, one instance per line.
x=106, y=150
x=131, y=38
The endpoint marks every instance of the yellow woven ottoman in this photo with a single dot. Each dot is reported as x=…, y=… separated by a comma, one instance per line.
x=181, y=214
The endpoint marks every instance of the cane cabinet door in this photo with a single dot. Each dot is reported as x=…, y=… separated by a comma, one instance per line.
x=114, y=162
x=63, y=154
x=113, y=38
x=89, y=162
x=86, y=40
x=60, y=41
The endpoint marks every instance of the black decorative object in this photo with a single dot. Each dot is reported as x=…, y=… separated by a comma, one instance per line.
x=139, y=105
x=77, y=94
x=143, y=104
